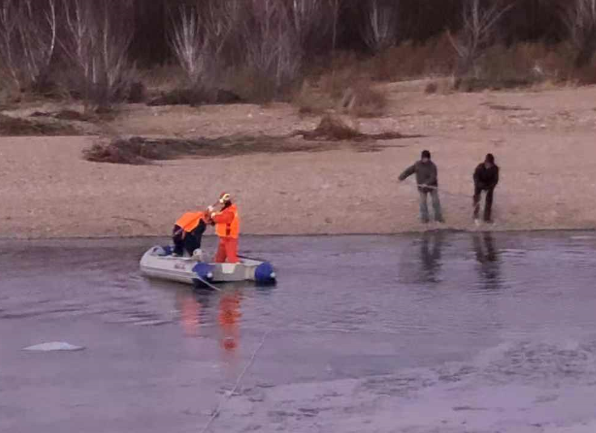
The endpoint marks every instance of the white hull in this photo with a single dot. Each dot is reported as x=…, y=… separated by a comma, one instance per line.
x=158, y=262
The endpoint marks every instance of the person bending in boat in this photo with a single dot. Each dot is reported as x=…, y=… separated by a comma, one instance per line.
x=227, y=227
x=188, y=233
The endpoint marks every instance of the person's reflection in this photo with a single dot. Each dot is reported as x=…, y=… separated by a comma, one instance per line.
x=191, y=306
x=488, y=258
x=229, y=322
x=430, y=255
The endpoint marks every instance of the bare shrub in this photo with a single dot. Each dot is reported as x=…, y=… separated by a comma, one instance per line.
x=28, y=34
x=431, y=88
x=97, y=39
x=379, y=28
x=479, y=20
x=580, y=19
x=311, y=101
x=335, y=82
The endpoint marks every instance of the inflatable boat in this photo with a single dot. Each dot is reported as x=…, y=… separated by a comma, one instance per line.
x=159, y=262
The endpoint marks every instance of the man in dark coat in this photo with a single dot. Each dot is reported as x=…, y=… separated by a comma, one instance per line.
x=428, y=183
x=486, y=178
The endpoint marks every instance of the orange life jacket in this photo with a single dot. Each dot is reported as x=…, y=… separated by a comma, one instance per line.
x=229, y=229
x=190, y=220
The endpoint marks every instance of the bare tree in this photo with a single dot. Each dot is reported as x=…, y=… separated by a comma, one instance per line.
x=580, y=19
x=336, y=6
x=308, y=21
x=273, y=50
x=98, y=34
x=28, y=33
x=198, y=36
x=479, y=20
x=379, y=28
x=189, y=43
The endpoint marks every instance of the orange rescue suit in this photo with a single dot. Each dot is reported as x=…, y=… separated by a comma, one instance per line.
x=227, y=227
x=190, y=221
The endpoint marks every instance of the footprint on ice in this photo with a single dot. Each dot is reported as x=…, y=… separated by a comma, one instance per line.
x=54, y=346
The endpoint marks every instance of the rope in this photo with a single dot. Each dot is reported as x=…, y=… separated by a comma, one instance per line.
x=452, y=194
x=208, y=284
x=219, y=407
x=443, y=191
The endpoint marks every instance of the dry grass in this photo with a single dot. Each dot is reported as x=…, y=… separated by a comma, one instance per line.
x=68, y=115
x=363, y=100
x=409, y=60
x=310, y=100
x=344, y=92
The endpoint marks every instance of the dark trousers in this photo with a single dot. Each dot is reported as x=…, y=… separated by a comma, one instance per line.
x=188, y=241
x=488, y=205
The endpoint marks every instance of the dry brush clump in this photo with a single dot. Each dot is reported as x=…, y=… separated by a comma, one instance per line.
x=16, y=126
x=142, y=150
x=334, y=128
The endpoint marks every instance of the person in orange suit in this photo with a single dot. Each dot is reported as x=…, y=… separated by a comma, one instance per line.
x=227, y=227
x=188, y=233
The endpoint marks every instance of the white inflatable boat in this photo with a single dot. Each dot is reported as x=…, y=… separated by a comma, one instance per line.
x=158, y=262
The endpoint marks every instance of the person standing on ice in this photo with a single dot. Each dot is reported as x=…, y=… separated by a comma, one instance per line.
x=227, y=228
x=486, y=178
x=428, y=183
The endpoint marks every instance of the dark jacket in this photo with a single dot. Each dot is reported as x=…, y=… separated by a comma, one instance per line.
x=426, y=174
x=486, y=178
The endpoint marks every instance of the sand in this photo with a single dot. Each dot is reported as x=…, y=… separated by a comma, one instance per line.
x=543, y=142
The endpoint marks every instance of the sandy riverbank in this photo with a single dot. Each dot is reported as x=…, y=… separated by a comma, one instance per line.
x=544, y=143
